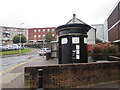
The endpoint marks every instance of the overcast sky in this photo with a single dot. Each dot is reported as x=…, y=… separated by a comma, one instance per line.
x=52, y=13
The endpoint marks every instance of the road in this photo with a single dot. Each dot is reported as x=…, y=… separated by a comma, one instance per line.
x=9, y=62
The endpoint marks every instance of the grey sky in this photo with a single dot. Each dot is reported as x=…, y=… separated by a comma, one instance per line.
x=52, y=13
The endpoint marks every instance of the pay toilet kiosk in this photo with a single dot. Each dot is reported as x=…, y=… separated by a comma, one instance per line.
x=72, y=43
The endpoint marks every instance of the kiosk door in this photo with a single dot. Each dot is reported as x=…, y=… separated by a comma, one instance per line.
x=75, y=49
x=65, y=50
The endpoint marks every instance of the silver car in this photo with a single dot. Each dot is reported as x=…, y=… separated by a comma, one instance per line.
x=43, y=51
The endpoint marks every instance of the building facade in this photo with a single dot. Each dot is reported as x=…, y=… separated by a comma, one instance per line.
x=7, y=34
x=91, y=39
x=99, y=31
x=36, y=35
x=105, y=31
x=114, y=24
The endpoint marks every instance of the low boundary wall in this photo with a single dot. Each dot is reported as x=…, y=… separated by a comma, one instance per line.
x=72, y=75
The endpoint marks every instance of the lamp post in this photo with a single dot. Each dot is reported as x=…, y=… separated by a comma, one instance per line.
x=20, y=34
x=43, y=45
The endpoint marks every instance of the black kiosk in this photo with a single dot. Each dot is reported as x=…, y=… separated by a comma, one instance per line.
x=72, y=45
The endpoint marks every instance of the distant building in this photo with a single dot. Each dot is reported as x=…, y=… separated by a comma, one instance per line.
x=99, y=31
x=7, y=34
x=1, y=35
x=36, y=35
x=114, y=24
x=105, y=32
x=91, y=39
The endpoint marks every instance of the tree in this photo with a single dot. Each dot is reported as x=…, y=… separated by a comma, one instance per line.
x=23, y=39
x=16, y=39
x=48, y=37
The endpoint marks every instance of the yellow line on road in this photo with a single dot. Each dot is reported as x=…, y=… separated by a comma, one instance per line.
x=15, y=66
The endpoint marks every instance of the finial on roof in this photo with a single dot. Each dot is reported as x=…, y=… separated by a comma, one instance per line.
x=74, y=17
x=75, y=20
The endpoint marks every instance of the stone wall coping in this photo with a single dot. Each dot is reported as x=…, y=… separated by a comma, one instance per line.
x=56, y=65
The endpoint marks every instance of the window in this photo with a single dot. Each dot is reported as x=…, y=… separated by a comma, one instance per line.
x=43, y=30
x=53, y=35
x=48, y=30
x=35, y=30
x=38, y=36
x=34, y=36
x=20, y=33
x=43, y=35
x=39, y=30
x=53, y=30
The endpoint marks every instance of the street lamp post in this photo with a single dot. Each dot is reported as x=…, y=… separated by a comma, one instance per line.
x=20, y=34
x=43, y=45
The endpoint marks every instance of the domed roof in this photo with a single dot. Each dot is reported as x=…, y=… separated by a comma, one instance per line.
x=73, y=26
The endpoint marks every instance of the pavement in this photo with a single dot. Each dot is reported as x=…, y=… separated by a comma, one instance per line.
x=107, y=85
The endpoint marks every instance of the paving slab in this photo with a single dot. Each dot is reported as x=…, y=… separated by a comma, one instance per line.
x=9, y=77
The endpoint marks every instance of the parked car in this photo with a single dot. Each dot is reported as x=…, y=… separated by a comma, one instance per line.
x=10, y=47
x=6, y=48
x=16, y=46
x=43, y=51
x=0, y=48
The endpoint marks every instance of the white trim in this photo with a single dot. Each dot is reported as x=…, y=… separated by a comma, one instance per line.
x=40, y=40
x=114, y=25
x=116, y=41
x=31, y=40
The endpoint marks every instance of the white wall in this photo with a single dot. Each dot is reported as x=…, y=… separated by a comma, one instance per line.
x=91, y=36
x=99, y=31
x=1, y=31
x=105, y=31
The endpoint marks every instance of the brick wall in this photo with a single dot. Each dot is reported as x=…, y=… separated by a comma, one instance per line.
x=72, y=75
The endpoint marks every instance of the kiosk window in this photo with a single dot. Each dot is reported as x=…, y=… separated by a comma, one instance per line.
x=64, y=41
x=75, y=40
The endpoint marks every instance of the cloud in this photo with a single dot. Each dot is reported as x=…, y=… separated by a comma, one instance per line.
x=43, y=13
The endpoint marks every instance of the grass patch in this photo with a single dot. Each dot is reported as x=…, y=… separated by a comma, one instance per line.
x=15, y=52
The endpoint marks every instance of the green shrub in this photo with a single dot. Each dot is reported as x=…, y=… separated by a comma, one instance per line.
x=5, y=43
x=96, y=49
x=112, y=49
x=105, y=48
x=15, y=52
x=101, y=52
